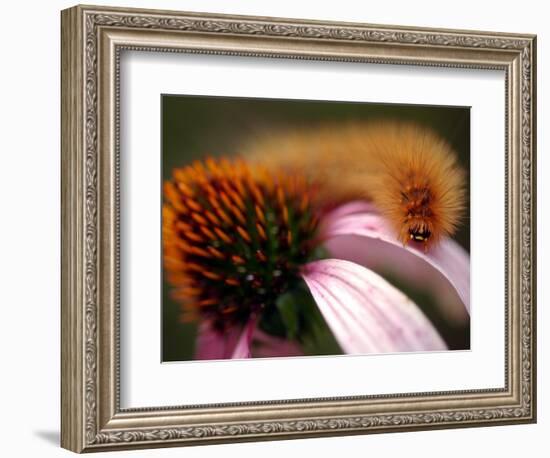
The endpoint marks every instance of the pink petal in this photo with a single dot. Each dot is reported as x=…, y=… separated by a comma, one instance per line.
x=388, y=259
x=213, y=344
x=242, y=349
x=351, y=208
x=267, y=346
x=366, y=313
x=237, y=343
x=448, y=257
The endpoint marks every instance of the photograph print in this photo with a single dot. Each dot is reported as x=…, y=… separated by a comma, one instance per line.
x=312, y=228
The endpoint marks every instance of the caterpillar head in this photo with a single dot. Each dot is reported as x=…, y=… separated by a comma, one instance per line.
x=419, y=185
x=418, y=224
x=426, y=203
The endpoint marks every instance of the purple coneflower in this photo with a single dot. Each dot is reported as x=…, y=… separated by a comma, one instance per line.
x=243, y=246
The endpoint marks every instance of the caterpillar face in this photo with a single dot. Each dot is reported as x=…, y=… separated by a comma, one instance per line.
x=423, y=201
x=420, y=235
x=418, y=215
x=417, y=183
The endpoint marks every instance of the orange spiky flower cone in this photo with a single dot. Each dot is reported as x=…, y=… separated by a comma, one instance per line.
x=234, y=237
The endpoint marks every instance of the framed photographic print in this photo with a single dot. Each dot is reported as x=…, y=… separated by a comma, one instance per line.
x=276, y=229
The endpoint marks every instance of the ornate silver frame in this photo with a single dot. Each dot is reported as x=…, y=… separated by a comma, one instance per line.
x=92, y=39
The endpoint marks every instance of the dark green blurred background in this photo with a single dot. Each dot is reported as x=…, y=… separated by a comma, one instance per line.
x=195, y=126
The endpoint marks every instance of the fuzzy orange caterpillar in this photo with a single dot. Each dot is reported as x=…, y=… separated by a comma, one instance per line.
x=409, y=172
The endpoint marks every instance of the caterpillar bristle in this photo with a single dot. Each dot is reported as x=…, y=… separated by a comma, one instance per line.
x=408, y=171
x=418, y=184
